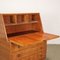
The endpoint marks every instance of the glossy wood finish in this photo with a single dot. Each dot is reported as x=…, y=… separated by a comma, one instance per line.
x=31, y=38
x=22, y=37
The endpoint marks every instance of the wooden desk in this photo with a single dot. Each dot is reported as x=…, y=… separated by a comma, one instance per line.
x=22, y=37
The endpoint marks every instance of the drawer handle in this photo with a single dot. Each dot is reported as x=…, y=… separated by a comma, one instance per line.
x=18, y=55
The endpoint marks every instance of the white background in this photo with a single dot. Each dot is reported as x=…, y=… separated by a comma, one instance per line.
x=49, y=10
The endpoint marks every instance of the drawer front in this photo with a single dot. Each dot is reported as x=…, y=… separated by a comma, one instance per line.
x=37, y=51
x=34, y=56
x=26, y=52
x=38, y=45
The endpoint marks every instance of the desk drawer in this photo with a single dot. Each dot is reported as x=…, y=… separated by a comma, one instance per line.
x=38, y=45
x=34, y=56
x=30, y=52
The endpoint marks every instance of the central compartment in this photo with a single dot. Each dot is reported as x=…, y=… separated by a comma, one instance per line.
x=20, y=33
x=19, y=24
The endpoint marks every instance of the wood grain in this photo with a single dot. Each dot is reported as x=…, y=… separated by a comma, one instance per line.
x=19, y=45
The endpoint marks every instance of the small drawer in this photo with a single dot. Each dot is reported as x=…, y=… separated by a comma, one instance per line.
x=28, y=55
x=15, y=47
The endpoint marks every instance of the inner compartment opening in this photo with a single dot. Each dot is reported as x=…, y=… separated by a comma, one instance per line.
x=21, y=33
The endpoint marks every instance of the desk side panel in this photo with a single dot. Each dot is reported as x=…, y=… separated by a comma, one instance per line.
x=4, y=44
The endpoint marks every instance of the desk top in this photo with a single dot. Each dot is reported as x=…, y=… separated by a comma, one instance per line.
x=31, y=38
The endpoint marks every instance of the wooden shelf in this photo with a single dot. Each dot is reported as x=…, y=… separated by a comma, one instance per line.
x=31, y=22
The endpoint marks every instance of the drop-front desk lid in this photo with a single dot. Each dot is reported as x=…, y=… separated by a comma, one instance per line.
x=31, y=38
